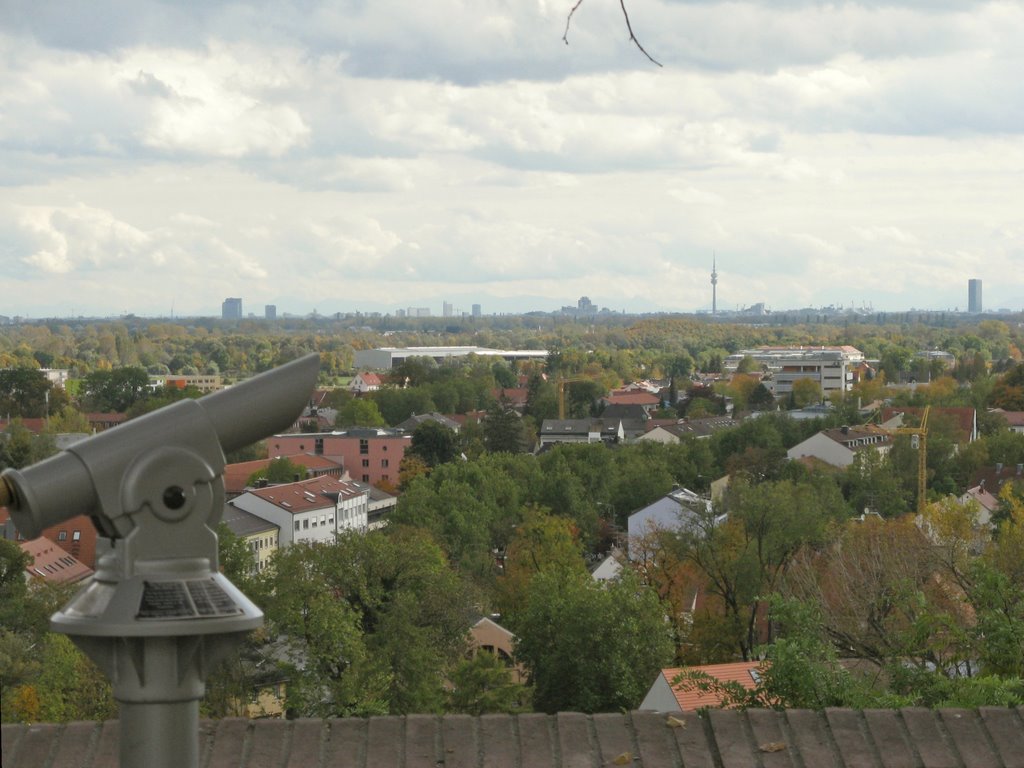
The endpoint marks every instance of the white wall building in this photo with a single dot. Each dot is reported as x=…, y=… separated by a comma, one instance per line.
x=833, y=368
x=309, y=511
x=838, y=446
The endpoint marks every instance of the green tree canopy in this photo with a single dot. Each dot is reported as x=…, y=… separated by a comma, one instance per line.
x=591, y=647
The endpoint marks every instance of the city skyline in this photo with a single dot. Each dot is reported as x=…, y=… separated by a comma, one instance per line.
x=366, y=157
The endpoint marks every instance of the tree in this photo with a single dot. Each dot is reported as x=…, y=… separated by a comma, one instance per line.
x=279, y=470
x=24, y=392
x=590, y=647
x=359, y=412
x=372, y=623
x=434, y=443
x=484, y=684
x=806, y=392
x=503, y=430
x=761, y=399
x=745, y=556
x=19, y=447
x=115, y=390
x=542, y=542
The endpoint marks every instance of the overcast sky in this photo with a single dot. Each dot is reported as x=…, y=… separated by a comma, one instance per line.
x=159, y=156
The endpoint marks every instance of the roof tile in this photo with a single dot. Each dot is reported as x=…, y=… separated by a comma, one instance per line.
x=837, y=738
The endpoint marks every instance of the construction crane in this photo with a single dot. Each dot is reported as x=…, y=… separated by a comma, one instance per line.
x=919, y=441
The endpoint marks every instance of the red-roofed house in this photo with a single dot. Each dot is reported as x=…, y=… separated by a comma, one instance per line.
x=516, y=397
x=33, y=425
x=365, y=382
x=1014, y=419
x=76, y=536
x=666, y=697
x=51, y=563
x=310, y=510
x=645, y=399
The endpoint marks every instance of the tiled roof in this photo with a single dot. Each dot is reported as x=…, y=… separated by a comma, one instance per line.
x=633, y=398
x=51, y=563
x=989, y=737
x=691, y=699
x=315, y=493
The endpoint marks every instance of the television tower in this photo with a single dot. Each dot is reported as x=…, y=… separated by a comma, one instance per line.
x=714, y=285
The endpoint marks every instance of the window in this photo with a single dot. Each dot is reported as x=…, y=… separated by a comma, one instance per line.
x=305, y=523
x=385, y=477
x=296, y=525
x=318, y=446
x=366, y=462
x=75, y=536
x=62, y=536
x=364, y=446
x=314, y=522
x=366, y=478
x=384, y=462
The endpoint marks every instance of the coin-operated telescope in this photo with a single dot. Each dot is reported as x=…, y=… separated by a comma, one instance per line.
x=158, y=613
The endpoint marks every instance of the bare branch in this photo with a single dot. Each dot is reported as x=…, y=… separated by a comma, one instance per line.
x=568, y=19
x=629, y=27
x=631, y=35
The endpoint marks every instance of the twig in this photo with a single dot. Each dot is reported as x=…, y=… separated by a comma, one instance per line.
x=632, y=37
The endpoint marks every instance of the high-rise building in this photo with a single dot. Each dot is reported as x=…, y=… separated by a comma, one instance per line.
x=231, y=309
x=270, y=312
x=446, y=309
x=974, y=296
x=476, y=310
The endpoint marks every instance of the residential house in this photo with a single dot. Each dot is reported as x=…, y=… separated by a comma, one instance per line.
x=261, y=536
x=365, y=382
x=369, y=455
x=76, y=536
x=1014, y=419
x=488, y=635
x=51, y=563
x=514, y=397
x=983, y=497
x=608, y=569
x=679, y=507
x=672, y=431
x=838, y=446
x=648, y=401
x=410, y=424
x=989, y=481
x=570, y=431
x=308, y=511
x=667, y=696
